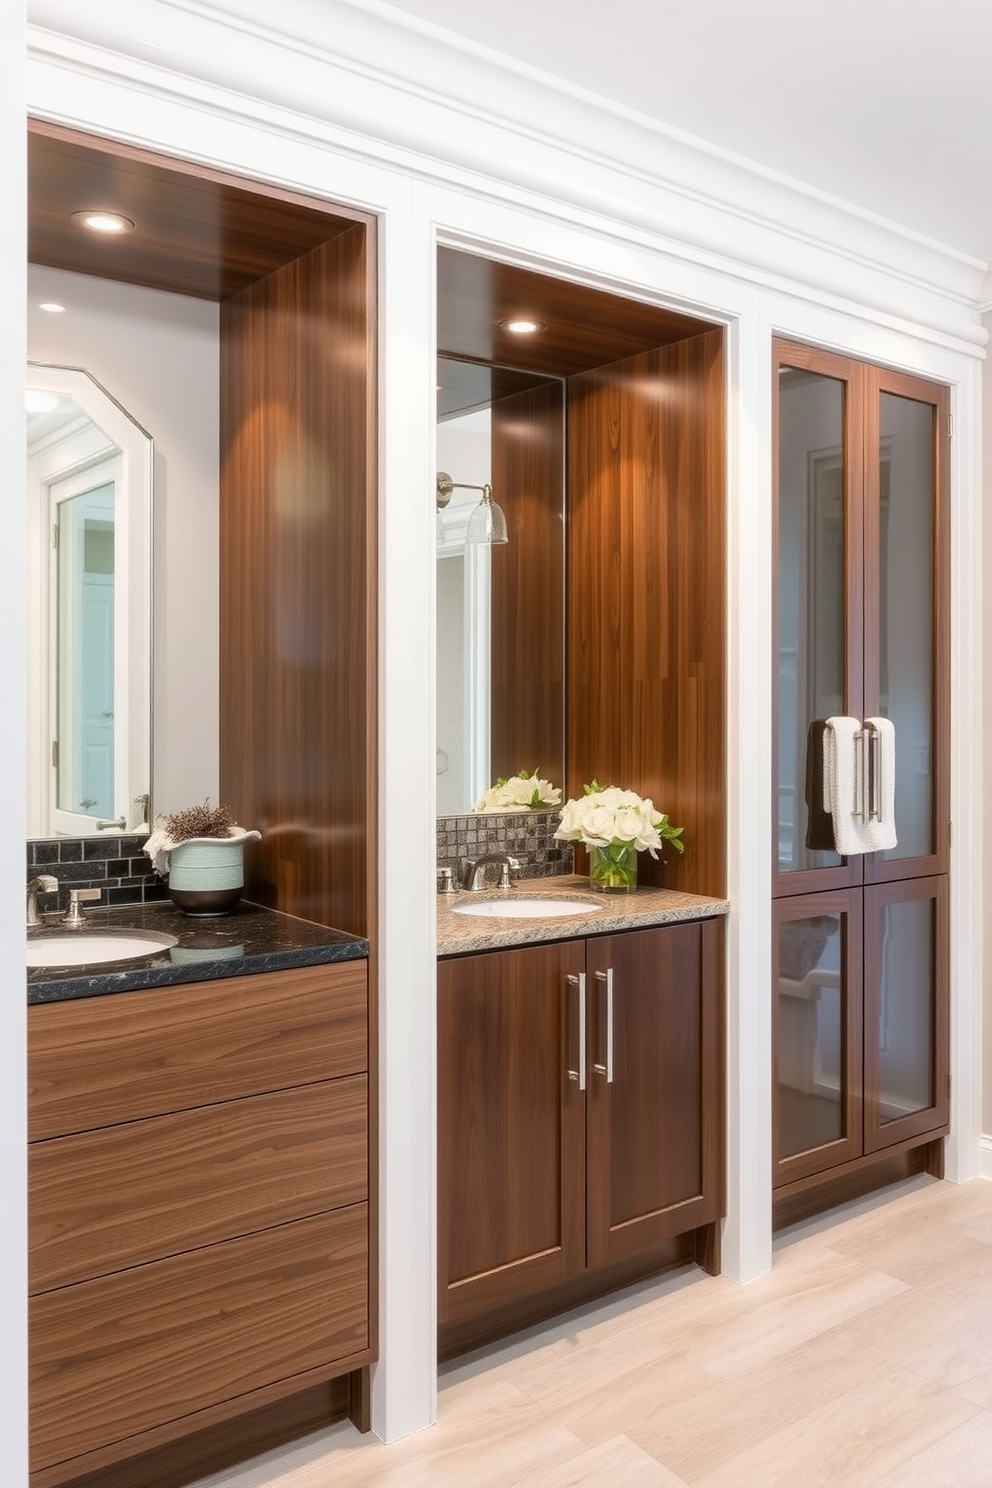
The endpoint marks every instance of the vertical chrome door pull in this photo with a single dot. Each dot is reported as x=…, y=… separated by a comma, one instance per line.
x=607, y=1068
x=578, y=981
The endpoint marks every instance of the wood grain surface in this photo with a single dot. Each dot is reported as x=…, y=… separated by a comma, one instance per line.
x=646, y=594
x=105, y=1200
x=583, y=327
x=297, y=581
x=113, y=1357
x=511, y=1127
x=651, y=1173
x=103, y=1060
x=197, y=231
x=527, y=682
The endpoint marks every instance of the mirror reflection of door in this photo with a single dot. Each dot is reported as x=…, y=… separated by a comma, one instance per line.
x=82, y=623
x=89, y=530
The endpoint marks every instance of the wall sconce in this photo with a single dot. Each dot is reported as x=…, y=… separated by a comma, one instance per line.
x=487, y=524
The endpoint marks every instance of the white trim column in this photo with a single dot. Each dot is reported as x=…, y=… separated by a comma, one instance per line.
x=13, y=1021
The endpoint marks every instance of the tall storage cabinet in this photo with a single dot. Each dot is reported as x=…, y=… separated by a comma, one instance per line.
x=860, y=965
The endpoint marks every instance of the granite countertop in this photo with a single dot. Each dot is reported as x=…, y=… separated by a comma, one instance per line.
x=458, y=934
x=249, y=940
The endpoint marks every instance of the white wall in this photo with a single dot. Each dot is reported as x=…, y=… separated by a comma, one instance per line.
x=984, y=623
x=158, y=355
x=13, y=1094
x=394, y=123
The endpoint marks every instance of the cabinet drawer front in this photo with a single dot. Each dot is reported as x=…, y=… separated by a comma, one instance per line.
x=118, y=1356
x=121, y=1057
x=104, y=1200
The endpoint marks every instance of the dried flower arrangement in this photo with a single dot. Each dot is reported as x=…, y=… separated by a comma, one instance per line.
x=198, y=821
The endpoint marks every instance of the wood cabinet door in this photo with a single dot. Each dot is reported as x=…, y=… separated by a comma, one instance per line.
x=511, y=1125
x=655, y=1100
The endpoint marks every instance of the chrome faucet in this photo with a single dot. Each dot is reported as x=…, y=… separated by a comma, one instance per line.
x=45, y=883
x=475, y=871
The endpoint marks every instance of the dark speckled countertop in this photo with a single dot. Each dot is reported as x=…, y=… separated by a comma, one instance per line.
x=249, y=940
x=460, y=934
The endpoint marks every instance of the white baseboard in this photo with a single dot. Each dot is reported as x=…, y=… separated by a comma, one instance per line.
x=985, y=1164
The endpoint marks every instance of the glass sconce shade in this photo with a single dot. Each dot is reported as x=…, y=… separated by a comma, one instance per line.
x=487, y=524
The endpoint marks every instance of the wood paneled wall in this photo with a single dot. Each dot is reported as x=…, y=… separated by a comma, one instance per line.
x=297, y=580
x=646, y=593
x=528, y=580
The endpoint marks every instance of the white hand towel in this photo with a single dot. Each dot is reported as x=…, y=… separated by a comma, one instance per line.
x=880, y=834
x=845, y=793
x=840, y=782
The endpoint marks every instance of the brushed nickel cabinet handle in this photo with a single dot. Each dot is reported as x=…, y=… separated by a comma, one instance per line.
x=578, y=981
x=607, y=1069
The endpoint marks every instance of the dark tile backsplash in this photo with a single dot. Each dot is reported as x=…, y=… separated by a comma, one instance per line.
x=117, y=866
x=527, y=836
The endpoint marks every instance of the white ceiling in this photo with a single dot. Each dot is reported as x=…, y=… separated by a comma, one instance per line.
x=886, y=104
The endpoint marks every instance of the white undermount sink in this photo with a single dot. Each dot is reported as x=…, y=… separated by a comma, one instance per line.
x=526, y=909
x=95, y=947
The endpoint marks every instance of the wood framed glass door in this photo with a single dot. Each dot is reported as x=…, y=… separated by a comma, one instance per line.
x=817, y=1030
x=862, y=630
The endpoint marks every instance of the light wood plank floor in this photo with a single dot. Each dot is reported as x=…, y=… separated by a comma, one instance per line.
x=863, y=1360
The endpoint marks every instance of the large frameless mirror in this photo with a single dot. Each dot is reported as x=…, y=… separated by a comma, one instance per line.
x=500, y=609
x=89, y=504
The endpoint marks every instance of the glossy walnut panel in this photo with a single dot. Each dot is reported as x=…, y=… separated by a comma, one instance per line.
x=105, y=1200
x=582, y=327
x=646, y=593
x=113, y=1358
x=198, y=232
x=527, y=725
x=103, y=1060
x=297, y=581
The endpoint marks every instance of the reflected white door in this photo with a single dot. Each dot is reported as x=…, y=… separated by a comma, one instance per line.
x=82, y=627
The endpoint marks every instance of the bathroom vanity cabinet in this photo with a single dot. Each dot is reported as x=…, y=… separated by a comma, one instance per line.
x=580, y=1121
x=199, y=1219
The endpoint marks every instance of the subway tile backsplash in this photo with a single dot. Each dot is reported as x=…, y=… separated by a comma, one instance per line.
x=117, y=866
x=527, y=836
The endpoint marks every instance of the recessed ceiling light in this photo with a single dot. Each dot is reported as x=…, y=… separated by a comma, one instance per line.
x=51, y=308
x=36, y=401
x=104, y=222
x=522, y=326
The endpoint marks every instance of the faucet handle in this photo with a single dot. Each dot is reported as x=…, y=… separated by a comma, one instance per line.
x=77, y=897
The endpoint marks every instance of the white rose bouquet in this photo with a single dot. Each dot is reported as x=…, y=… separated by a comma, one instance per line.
x=520, y=792
x=616, y=825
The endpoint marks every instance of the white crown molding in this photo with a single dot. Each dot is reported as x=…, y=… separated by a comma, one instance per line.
x=378, y=84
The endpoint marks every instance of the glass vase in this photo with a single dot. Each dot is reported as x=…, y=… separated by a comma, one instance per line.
x=613, y=869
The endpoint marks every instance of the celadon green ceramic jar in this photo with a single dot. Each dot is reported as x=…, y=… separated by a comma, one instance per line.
x=207, y=874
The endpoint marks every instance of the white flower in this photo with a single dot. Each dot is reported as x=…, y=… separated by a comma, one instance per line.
x=521, y=792
x=603, y=817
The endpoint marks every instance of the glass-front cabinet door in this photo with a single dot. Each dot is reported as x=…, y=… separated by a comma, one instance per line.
x=817, y=1031
x=905, y=1000
x=905, y=614
x=820, y=577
